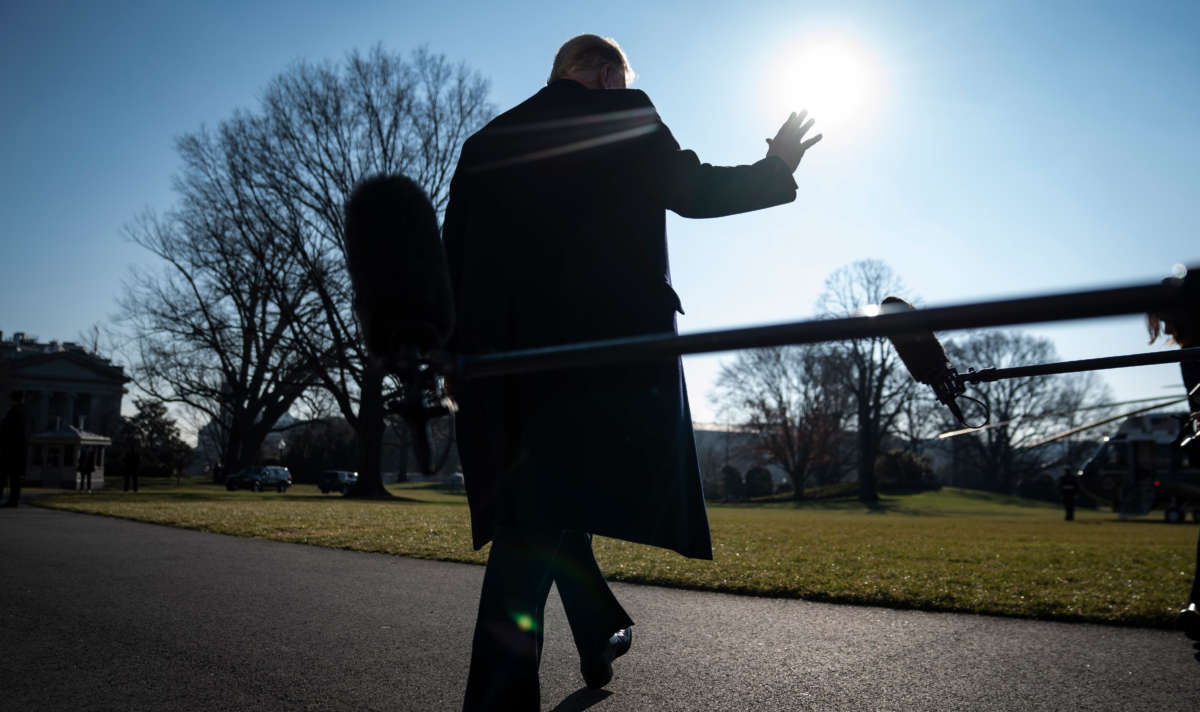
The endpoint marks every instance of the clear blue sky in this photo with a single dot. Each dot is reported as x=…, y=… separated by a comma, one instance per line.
x=1000, y=148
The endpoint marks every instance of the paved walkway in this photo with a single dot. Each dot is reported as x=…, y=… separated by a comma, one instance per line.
x=105, y=614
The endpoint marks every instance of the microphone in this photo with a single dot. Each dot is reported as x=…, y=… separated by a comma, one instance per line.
x=402, y=295
x=397, y=265
x=926, y=360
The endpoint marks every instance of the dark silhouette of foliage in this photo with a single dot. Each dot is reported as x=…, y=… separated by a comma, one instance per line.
x=327, y=444
x=759, y=482
x=163, y=453
x=734, y=488
x=905, y=470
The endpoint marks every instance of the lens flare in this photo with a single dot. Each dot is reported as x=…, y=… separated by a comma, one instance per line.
x=525, y=622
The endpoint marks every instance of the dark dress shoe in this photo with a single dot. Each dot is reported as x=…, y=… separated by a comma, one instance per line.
x=1189, y=621
x=597, y=670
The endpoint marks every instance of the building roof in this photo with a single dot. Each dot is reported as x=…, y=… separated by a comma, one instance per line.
x=21, y=354
x=69, y=435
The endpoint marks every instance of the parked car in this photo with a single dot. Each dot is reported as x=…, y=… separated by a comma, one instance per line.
x=336, y=481
x=260, y=478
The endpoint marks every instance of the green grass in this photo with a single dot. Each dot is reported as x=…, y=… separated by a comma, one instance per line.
x=954, y=550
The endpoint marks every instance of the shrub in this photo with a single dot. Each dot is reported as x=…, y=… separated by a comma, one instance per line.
x=733, y=483
x=759, y=482
x=905, y=470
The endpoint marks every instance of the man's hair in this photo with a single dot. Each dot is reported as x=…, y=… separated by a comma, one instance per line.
x=589, y=52
x=1185, y=323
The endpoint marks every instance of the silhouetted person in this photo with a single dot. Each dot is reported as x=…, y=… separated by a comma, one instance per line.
x=1068, y=487
x=87, y=465
x=555, y=233
x=1182, y=327
x=131, y=464
x=14, y=446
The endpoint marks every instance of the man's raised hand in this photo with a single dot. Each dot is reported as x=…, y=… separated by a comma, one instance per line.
x=789, y=143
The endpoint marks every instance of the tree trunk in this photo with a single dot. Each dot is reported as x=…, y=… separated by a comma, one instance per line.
x=798, y=486
x=232, y=459
x=867, y=491
x=370, y=434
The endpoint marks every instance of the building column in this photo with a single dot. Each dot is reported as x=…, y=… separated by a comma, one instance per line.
x=43, y=412
x=57, y=410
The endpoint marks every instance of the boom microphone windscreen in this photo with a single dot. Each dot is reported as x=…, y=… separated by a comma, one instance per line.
x=921, y=352
x=926, y=360
x=398, y=266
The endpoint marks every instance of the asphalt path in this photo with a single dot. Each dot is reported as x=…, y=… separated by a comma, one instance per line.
x=105, y=614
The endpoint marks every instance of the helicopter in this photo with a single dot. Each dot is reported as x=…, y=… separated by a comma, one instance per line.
x=1147, y=464
x=1141, y=466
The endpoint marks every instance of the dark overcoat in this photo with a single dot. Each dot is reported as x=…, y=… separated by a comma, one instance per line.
x=555, y=233
x=14, y=441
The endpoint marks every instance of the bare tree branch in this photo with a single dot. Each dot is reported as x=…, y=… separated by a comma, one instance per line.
x=320, y=129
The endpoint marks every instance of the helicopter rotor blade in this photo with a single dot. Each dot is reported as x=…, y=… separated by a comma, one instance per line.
x=965, y=431
x=1114, y=405
x=1105, y=421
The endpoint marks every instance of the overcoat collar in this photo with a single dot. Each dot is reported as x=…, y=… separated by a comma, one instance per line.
x=566, y=84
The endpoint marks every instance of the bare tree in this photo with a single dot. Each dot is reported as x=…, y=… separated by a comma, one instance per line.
x=709, y=453
x=869, y=370
x=212, y=330
x=322, y=128
x=919, y=421
x=1023, y=410
x=789, y=398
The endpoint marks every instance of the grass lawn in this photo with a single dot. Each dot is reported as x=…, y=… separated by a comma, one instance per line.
x=954, y=550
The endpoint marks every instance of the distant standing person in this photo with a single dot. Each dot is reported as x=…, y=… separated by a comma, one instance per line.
x=14, y=444
x=1183, y=328
x=1068, y=487
x=87, y=465
x=130, y=464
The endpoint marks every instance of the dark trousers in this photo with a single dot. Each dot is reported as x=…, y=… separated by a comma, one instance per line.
x=507, y=647
x=13, y=476
x=85, y=481
x=130, y=478
x=1069, y=505
x=1195, y=597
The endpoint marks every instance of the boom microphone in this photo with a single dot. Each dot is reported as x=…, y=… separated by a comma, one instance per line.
x=398, y=267
x=926, y=359
x=402, y=295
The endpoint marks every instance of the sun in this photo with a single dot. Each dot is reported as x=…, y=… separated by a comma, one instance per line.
x=834, y=78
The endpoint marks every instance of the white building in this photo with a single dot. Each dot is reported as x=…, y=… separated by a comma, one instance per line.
x=73, y=399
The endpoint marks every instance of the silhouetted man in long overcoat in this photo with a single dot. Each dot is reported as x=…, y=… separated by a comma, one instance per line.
x=87, y=465
x=131, y=464
x=1182, y=328
x=14, y=443
x=556, y=233
x=1068, y=487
